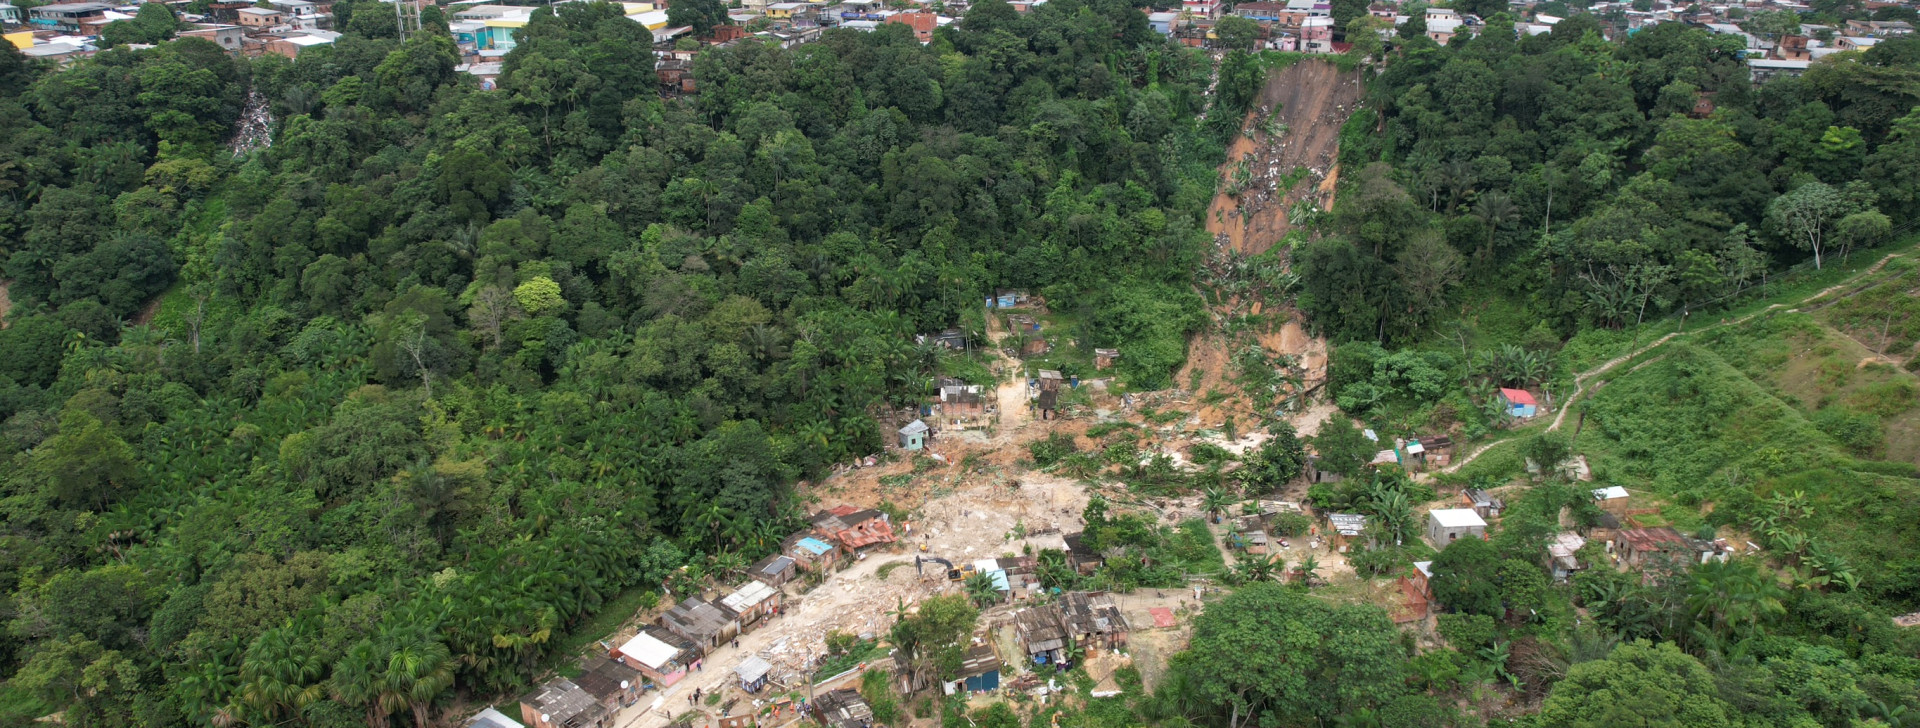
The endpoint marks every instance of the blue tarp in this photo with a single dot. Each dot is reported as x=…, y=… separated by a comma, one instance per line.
x=815, y=545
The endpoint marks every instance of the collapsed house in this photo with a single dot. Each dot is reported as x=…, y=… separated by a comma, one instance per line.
x=1093, y=620
x=853, y=528
x=1562, y=554
x=1636, y=546
x=1082, y=558
x=1089, y=620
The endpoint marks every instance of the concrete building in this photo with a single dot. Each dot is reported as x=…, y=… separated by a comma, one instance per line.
x=66, y=17
x=259, y=17
x=1447, y=525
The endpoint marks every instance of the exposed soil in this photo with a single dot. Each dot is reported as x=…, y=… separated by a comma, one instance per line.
x=1313, y=100
x=149, y=311
x=6, y=305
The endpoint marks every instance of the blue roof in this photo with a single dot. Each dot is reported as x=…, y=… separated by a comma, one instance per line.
x=815, y=545
x=1000, y=580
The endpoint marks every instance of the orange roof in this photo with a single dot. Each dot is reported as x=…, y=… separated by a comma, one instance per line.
x=1517, y=396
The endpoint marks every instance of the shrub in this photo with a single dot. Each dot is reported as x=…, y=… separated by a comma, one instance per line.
x=1290, y=524
x=1858, y=432
x=1466, y=631
x=1056, y=447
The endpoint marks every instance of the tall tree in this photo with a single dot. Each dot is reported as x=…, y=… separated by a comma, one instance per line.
x=1268, y=655
x=1805, y=215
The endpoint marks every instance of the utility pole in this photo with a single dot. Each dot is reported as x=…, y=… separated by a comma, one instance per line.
x=406, y=15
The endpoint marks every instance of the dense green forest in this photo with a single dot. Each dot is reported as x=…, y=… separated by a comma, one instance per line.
x=442, y=374
x=1597, y=184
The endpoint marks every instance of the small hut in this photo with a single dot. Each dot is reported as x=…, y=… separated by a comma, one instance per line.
x=1103, y=358
x=753, y=673
x=914, y=436
x=1519, y=403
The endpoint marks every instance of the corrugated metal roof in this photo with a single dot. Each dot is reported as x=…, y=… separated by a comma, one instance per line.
x=607, y=678
x=698, y=617
x=561, y=700
x=748, y=596
x=779, y=564
x=843, y=709
x=1347, y=524
x=753, y=668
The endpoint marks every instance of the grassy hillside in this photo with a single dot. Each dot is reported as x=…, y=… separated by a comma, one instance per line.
x=1782, y=404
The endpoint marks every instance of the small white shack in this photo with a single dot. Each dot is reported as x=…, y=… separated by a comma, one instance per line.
x=1447, y=525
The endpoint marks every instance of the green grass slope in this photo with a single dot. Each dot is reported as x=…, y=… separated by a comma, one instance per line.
x=1716, y=426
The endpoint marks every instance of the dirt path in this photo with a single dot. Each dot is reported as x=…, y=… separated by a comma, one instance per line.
x=1312, y=99
x=1011, y=392
x=6, y=305
x=1580, y=380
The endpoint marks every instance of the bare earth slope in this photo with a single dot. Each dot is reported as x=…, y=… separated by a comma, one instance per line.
x=1313, y=100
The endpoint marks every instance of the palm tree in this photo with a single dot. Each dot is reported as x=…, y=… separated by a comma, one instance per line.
x=280, y=674
x=1495, y=209
x=981, y=589
x=1894, y=715
x=1259, y=569
x=356, y=681
x=1216, y=501
x=1732, y=596
x=763, y=342
x=1394, y=512
x=1458, y=176
x=1497, y=655
x=208, y=687
x=1309, y=570
x=417, y=672
x=714, y=517
x=1073, y=651
x=728, y=563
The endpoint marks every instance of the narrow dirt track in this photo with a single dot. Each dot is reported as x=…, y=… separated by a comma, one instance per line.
x=1580, y=380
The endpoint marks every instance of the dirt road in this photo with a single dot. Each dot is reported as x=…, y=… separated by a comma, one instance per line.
x=1312, y=99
